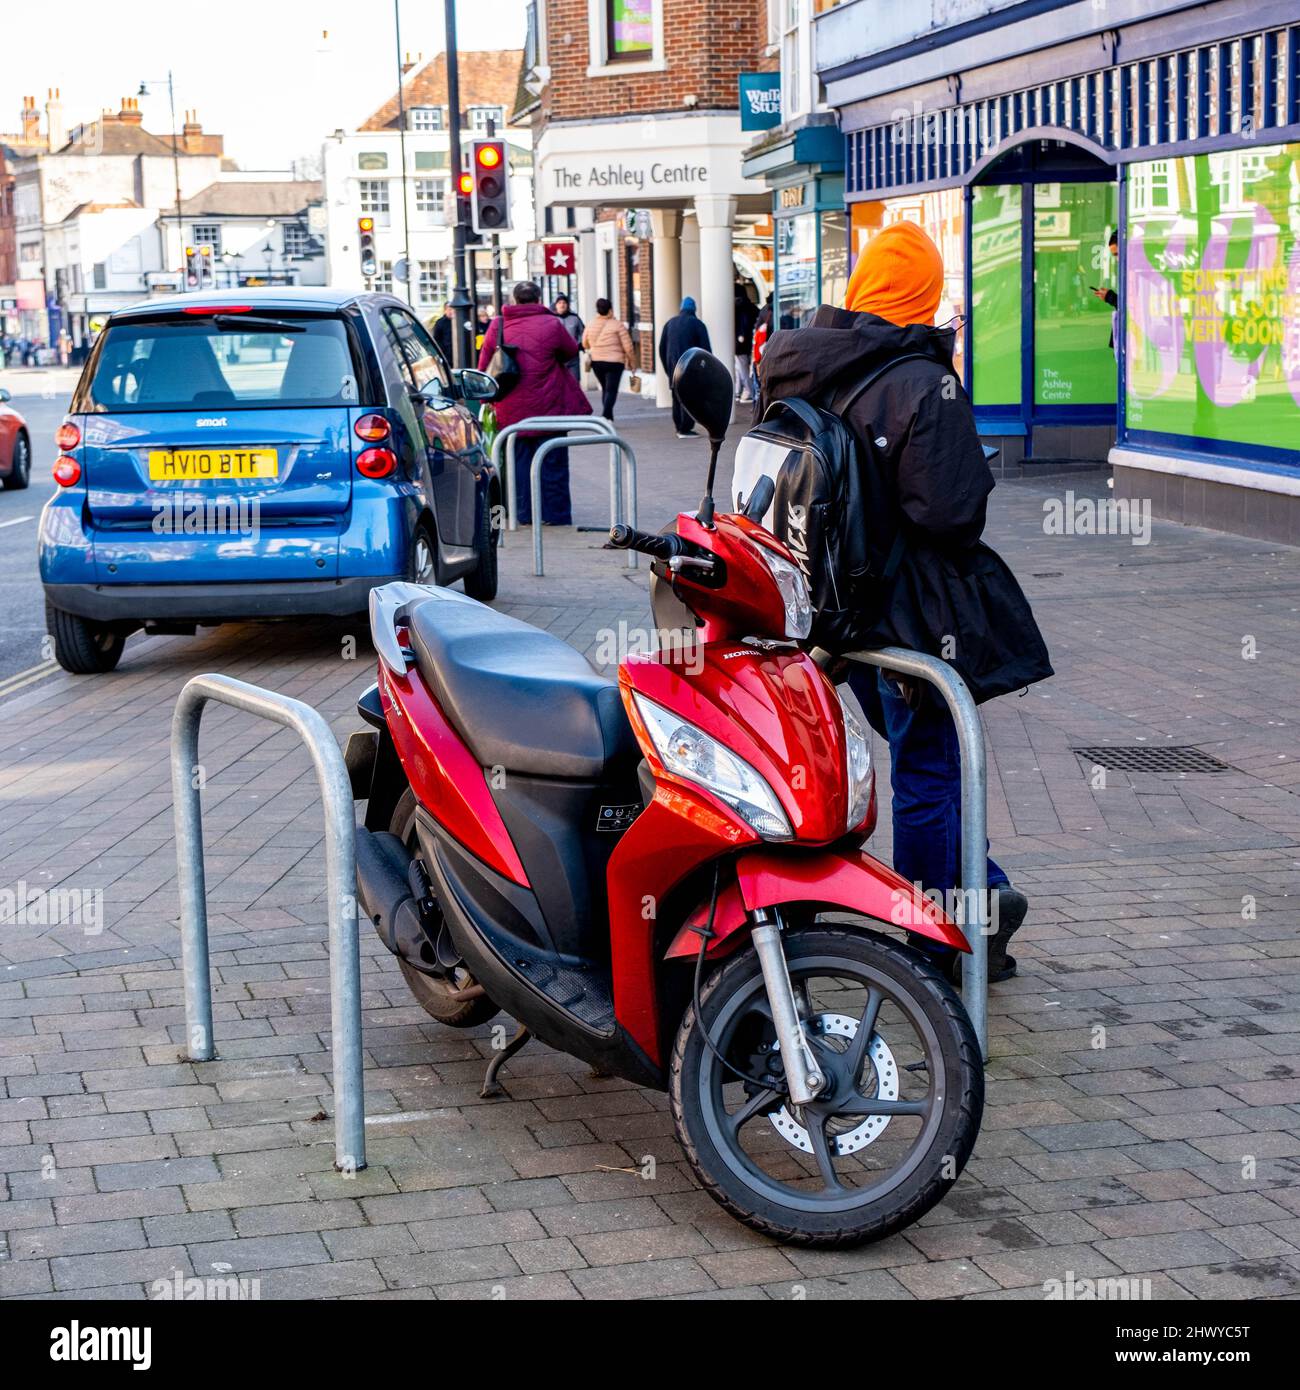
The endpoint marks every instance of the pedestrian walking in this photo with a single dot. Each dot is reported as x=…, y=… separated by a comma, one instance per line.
x=684, y=330
x=543, y=348
x=444, y=331
x=610, y=346
x=951, y=593
x=746, y=317
x=575, y=328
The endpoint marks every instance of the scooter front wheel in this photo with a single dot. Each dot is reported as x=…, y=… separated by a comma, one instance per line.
x=890, y=1131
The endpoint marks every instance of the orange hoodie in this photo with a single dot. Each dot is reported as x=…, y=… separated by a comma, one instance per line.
x=898, y=276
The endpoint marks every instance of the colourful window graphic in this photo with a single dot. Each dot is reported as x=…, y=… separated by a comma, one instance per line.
x=1213, y=297
x=631, y=28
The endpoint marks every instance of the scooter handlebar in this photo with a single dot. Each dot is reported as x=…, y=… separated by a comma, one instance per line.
x=658, y=547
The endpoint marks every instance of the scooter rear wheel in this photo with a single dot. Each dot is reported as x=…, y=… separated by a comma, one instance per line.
x=890, y=1132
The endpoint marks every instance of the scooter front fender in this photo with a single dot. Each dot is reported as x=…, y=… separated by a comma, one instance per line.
x=848, y=879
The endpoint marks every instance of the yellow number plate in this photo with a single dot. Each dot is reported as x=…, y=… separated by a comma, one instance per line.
x=190, y=465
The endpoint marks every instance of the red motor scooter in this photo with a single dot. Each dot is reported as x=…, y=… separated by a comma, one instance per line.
x=665, y=876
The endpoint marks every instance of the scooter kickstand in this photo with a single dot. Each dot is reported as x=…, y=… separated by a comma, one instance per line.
x=491, y=1086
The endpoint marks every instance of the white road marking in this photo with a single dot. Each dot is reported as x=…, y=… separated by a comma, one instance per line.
x=14, y=521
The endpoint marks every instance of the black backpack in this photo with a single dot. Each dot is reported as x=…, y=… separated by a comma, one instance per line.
x=835, y=507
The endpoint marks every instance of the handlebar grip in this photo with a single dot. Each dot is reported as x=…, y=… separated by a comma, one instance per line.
x=659, y=547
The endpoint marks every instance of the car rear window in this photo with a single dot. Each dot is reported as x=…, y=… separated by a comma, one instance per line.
x=201, y=362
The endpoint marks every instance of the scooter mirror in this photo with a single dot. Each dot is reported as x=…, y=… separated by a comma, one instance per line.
x=704, y=387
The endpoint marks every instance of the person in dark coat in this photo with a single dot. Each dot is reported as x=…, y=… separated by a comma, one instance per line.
x=543, y=348
x=565, y=313
x=953, y=596
x=682, y=331
x=444, y=330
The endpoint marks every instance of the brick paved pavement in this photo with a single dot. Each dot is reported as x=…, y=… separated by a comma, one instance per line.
x=1144, y=1097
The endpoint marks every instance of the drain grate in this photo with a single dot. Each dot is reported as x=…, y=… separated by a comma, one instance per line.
x=1163, y=758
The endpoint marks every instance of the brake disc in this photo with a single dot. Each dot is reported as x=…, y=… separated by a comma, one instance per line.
x=851, y=1140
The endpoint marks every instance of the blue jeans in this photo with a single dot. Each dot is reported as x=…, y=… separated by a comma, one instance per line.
x=925, y=776
x=556, y=507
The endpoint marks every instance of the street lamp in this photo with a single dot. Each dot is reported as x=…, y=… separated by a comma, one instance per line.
x=269, y=250
x=176, y=158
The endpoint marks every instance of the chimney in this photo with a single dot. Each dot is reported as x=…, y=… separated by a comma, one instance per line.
x=192, y=134
x=31, y=119
x=130, y=112
x=408, y=62
x=55, y=129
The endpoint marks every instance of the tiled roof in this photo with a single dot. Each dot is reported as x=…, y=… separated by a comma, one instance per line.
x=253, y=199
x=100, y=207
x=487, y=78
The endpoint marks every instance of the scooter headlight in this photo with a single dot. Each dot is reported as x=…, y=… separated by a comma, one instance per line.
x=857, y=751
x=794, y=591
x=691, y=753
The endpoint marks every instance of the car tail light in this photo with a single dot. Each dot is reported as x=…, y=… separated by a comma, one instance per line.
x=372, y=428
x=67, y=471
x=216, y=309
x=376, y=463
x=67, y=436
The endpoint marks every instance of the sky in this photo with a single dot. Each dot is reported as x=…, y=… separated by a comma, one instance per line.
x=274, y=77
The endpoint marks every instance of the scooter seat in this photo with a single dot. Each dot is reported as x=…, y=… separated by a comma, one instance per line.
x=521, y=698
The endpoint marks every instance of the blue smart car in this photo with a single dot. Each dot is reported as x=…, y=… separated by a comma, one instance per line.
x=260, y=453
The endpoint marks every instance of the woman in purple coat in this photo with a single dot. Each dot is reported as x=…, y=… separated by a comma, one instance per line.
x=543, y=347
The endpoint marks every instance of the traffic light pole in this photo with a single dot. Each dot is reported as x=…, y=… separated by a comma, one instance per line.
x=460, y=298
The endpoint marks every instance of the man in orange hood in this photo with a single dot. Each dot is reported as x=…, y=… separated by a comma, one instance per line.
x=951, y=596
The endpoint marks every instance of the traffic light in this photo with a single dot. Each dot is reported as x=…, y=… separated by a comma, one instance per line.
x=490, y=193
x=193, y=268
x=366, y=241
x=207, y=276
x=464, y=188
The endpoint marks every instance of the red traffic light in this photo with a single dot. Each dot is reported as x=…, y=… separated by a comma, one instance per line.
x=466, y=182
x=489, y=156
x=365, y=224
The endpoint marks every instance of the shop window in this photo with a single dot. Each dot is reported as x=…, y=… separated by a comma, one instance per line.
x=1212, y=312
x=1074, y=356
x=995, y=294
x=797, y=291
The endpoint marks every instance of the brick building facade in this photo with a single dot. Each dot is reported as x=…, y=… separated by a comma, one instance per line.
x=635, y=114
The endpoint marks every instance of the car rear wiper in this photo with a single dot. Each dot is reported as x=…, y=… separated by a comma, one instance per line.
x=236, y=321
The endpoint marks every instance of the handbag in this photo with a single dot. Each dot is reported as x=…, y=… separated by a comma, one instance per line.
x=503, y=366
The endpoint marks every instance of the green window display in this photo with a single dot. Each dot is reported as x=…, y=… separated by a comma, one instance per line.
x=995, y=294
x=1074, y=354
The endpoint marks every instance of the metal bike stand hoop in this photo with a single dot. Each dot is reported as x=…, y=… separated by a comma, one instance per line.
x=571, y=441
x=340, y=877
x=974, y=817
x=503, y=443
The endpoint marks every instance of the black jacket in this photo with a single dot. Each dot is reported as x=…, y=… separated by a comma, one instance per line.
x=682, y=331
x=953, y=597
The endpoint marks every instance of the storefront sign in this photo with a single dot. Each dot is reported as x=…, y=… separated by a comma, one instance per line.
x=561, y=257
x=629, y=174
x=760, y=100
x=793, y=196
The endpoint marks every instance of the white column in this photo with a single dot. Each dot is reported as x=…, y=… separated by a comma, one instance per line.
x=717, y=306
x=666, y=231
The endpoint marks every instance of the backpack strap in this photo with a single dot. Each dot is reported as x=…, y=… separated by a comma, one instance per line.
x=842, y=403
x=804, y=411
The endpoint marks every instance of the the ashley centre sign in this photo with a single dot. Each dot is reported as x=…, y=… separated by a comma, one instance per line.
x=680, y=174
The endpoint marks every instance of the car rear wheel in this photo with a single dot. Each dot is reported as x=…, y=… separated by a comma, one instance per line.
x=423, y=564
x=20, y=469
x=83, y=647
x=481, y=581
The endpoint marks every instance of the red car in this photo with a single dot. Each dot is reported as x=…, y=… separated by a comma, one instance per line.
x=15, y=446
